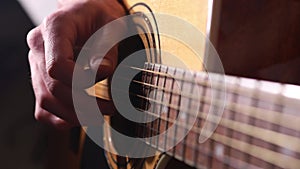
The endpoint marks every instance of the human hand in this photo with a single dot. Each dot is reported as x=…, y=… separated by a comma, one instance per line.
x=53, y=46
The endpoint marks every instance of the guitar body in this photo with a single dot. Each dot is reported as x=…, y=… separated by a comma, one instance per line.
x=197, y=14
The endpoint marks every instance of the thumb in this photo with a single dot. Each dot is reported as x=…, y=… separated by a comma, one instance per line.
x=104, y=67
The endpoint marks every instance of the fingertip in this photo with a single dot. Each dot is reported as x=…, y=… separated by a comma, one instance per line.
x=34, y=38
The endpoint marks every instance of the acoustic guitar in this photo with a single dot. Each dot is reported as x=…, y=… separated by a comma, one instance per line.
x=260, y=124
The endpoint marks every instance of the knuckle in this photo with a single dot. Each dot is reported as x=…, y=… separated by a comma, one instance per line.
x=52, y=21
x=40, y=114
x=43, y=102
x=53, y=18
x=52, y=67
x=53, y=87
x=34, y=39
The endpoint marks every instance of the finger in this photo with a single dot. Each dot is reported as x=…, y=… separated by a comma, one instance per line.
x=59, y=42
x=44, y=98
x=35, y=40
x=50, y=119
x=64, y=95
x=53, y=105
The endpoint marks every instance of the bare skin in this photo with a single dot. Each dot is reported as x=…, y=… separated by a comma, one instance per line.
x=52, y=53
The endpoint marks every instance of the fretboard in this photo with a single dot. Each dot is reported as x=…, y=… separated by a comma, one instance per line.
x=259, y=127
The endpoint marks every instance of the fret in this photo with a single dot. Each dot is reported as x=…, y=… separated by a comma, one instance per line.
x=161, y=96
x=288, y=120
x=183, y=116
x=177, y=101
x=250, y=127
x=290, y=93
x=227, y=141
x=272, y=126
x=217, y=94
x=259, y=152
x=189, y=144
x=150, y=78
x=199, y=121
x=153, y=105
x=232, y=115
x=252, y=121
x=168, y=142
x=191, y=88
x=242, y=127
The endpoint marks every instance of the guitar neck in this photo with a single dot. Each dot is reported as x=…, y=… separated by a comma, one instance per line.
x=259, y=126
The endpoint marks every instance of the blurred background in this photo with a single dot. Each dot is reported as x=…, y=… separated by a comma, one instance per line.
x=22, y=140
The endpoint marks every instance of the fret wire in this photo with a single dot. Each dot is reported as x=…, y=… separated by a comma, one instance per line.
x=155, y=94
x=281, y=160
x=179, y=103
x=238, y=130
x=257, y=154
x=289, y=120
x=261, y=133
x=192, y=96
x=168, y=113
x=256, y=151
x=212, y=142
x=196, y=98
x=151, y=82
x=278, y=108
x=199, y=120
x=225, y=160
x=210, y=158
x=232, y=114
x=160, y=107
x=206, y=154
x=252, y=121
x=187, y=121
x=177, y=111
x=145, y=89
x=149, y=79
x=229, y=87
x=143, y=104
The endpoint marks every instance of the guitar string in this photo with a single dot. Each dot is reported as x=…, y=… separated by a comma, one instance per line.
x=152, y=100
x=224, y=159
x=217, y=85
x=283, y=119
x=244, y=128
x=273, y=137
x=193, y=96
x=270, y=156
